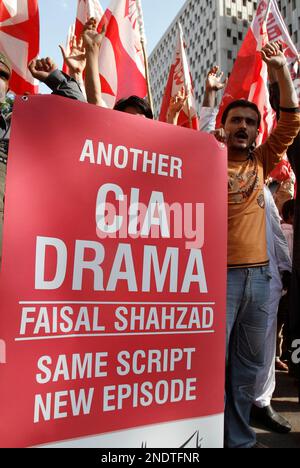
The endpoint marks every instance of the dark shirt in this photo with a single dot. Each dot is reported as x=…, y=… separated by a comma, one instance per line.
x=63, y=85
x=293, y=154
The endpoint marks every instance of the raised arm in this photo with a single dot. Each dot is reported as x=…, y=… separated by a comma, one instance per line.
x=281, y=138
x=92, y=41
x=274, y=57
x=75, y=60
x=46, y=71
x=176, y=105
x=208, y=111
x=213, y=84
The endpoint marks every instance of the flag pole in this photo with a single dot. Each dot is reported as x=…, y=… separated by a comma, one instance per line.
x=189, y=112
x=187, y=88
x=143, y=43
x=268, y=10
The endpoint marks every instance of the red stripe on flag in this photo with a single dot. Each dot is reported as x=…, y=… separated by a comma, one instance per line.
x=130, y=79
x=245, y=71
x=167, y=96
x=17, y=82
x=4, y=13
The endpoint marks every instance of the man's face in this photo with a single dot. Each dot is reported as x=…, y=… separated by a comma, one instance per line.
x=4, y=81
x=241, y=128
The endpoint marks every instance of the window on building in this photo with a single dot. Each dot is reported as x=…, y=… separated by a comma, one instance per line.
x=234, y=19
x=294, y=4
x=240, y=35
x=228, y=32
x=290, y=29
x=234, y=40
x=240, y=16
x=244, y=2
x=284, y=12
x=228, y=11
x=296, y=37
x=254, y=6
x=229, y=54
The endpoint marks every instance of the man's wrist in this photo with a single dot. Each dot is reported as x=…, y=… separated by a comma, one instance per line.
x=172, y=113
x=280, y=66
x=210, y=90
x=78, y=76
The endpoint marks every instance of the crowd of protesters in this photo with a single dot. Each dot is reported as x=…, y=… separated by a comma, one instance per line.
x=263, y=243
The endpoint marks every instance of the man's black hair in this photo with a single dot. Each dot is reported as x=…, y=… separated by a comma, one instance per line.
x=241, y=103
x=288, y=209
x=138, y=103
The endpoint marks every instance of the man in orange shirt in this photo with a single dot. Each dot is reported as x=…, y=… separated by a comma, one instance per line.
x=248, y=270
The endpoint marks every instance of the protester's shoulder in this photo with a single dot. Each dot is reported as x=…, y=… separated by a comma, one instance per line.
x=287, y=127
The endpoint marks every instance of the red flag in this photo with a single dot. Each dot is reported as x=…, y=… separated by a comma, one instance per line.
x=19, y=40
x=180, y=77
x=121, y=58
x=85, y=10
x=283, y=171
x=249, y=76
x=277, y=30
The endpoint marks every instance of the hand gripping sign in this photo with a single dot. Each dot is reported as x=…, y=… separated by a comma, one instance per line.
x=113, y=279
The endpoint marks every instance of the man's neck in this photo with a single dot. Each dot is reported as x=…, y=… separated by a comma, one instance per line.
x=238, y=155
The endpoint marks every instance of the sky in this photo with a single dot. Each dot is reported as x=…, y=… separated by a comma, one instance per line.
x=57, y=15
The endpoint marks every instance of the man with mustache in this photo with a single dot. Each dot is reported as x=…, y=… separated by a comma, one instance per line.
x=248, y=271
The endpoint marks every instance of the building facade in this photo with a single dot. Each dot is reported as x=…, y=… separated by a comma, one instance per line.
x=213, y=31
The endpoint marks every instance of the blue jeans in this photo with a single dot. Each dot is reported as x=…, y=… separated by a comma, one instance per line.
x=248, y=291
